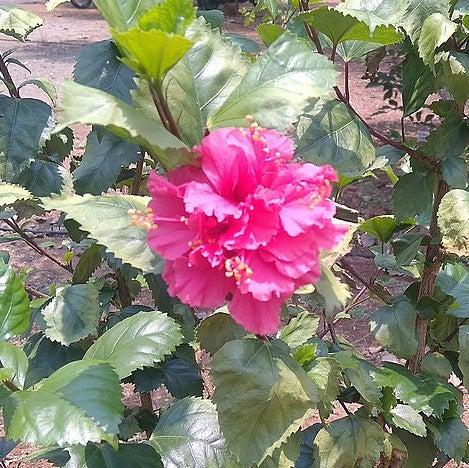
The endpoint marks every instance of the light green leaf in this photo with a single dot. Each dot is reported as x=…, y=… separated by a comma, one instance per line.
x=73, y=314
x=21, y=127
x=14, y=304
x=269, y=33
x=151, y=53
x=217, y=329
x=169, y=16
x=188, y=435
x=350, y=441
x=42, y=83
x=299, y=329
x=451, y=436
x=417, y=12
x=331, y=134
x=437, y=364
x=394, y=327
x=418, y=82
x=455, y=74
x=354, y=50
x=10, y=193
x=105, y=156
x=103, y=456
x=407, y=418
x=98, y=66
x=137, y=341
x=80, y=402
x=463, y=361
x=107, y=220
x=277, y=87
x=18, y=23
x=286, y=455
x=90, y=106
x=453, y=221
x=15, y=361
x=376, y=13
x=381, y=227
x=273, y=390
x=123, y=14
x=436, y=30
x=340, y=27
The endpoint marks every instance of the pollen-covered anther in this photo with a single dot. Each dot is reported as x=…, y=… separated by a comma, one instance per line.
x=237, y=269
x=195, y=243
x=184, y=220
x=142, y=219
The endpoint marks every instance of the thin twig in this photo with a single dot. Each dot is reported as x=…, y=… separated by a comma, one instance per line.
x=347, y=82
x=34, y=292
x=9, y=83
x=164, y=111
x=15, y=227
x=137, y=182
x=310, y=31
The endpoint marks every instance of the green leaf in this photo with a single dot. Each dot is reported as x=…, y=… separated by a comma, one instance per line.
x=269, y=33
x=44, y=178
x=10, y=193
x=455, y=74
x=436, y=30
x=299, y=329
x=14, y=303
x=151, y=53
x=103, y=456
x=137, y=341
x=453, y=221
x=73, y=314
x=412, y=195
x=123, y=14
x=45, y=357
x=406, y=247
x=332, y=134
x=376, y=13
x=407, y=418
x=354, y=50
x=418, y=82
x=21, y=127
x=437, y=364
x=277, y=87
x=90, y=106
x=98, y=66
x=188, y=434
x=451, y=436
x=18, y=23
x=340, y=27
x=394, y=327
x=381, y=227
x=417, y=12
x=14, y=360
x=425, y=393
x=89, y=262
x=350, y=441
x=169, y=16
x=44, y=84
x=80, y=402
x=463, y=361
x=395, y=452
x=105, y=155
x=421, y=450
x=216, y=330
x=273, y=390
x=246, y=44
x=107, y=220
x=286, y=455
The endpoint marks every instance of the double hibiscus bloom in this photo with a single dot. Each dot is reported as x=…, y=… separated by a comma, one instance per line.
x=247, y=226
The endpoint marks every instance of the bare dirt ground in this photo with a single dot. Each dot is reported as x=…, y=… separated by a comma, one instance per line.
x=51, y=52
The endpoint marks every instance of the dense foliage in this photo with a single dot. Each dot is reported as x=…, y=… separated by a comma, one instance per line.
x=168, y=77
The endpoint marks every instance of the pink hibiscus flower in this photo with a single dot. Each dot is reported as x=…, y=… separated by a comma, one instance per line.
x=246, y=227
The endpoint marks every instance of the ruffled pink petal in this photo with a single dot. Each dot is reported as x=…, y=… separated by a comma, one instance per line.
x=287, y=248
x=306, y=264
x=261, y=318
x=199, y=196
x=170, y=239
x=198, y=285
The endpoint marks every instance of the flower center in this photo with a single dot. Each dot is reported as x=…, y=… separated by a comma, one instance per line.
x=142, y=219
x=237, y=269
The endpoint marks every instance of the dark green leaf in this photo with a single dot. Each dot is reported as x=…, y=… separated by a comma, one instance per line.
x=73, y=314
x=14, y=303
x=421, y=450
x=260, y=377
x=44, y=178
x=21, y=127
x=451, y=436
x=463, y=361
x=44, y=84
x=332, y=134
x=406, y=247
x=137, y=341
x=454, y=70
x=89, y=262
x=437, y=364
x=188, y=435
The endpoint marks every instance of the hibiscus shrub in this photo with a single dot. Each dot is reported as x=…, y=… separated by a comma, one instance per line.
x=210, y=253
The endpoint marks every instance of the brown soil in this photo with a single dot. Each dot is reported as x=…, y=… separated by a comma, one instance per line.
x=51, y=53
